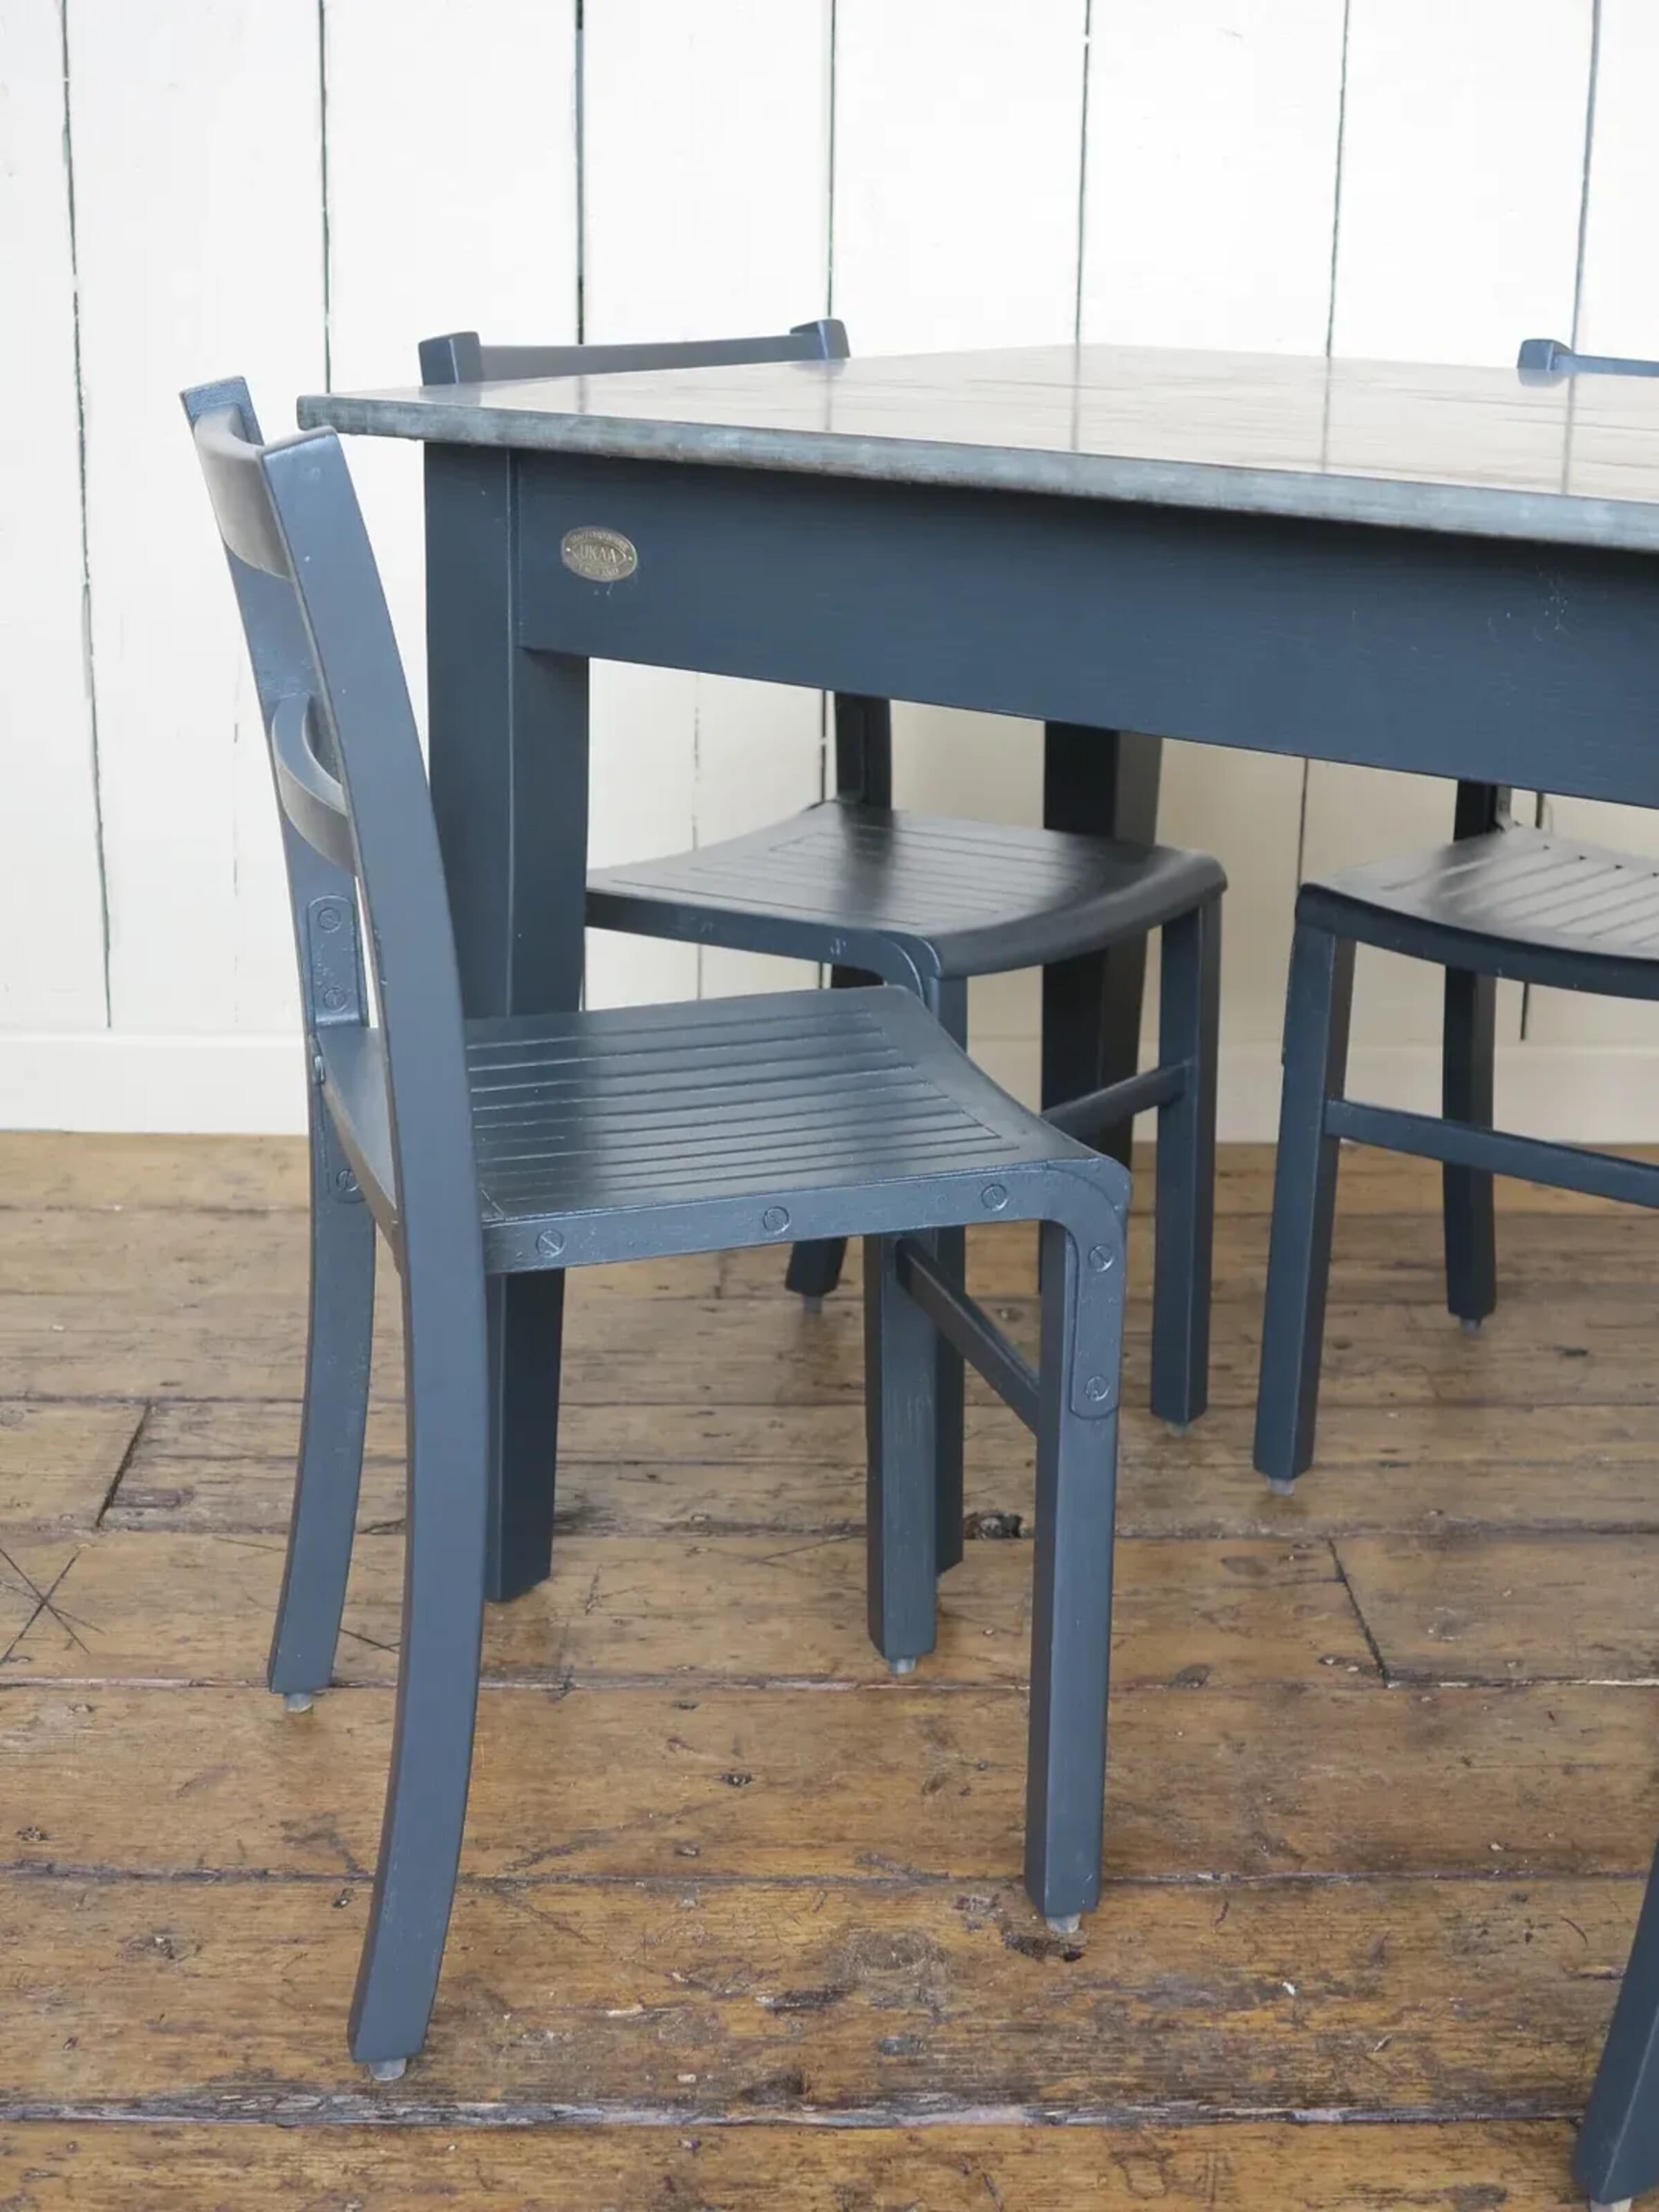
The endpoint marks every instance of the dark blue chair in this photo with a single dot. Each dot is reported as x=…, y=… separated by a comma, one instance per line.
x=565, y=1141
x=1501, y=900
x=1521, y=902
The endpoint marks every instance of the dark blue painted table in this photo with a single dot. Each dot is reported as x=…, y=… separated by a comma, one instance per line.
x=1445, y=570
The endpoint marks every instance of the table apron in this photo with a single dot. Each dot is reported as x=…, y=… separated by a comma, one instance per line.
x=1505, y=662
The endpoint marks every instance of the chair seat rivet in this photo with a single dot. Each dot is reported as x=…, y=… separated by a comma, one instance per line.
x=1101, y=1259
x=993, y=1197
x=775, y=1219
x=329, y=917
x=344, y=1179
x=550, y=1243
x=1096, y=1389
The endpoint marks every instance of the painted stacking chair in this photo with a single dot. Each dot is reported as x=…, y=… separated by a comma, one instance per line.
x=928, y=902
x=1501, y=900
x=573, y=1140
x=1512, y=902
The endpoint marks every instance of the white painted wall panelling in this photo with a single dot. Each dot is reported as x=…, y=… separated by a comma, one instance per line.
x=958, y=158
x=1618, y=301
x=958, y=146
x=1211, y=173
x=197, y=188
x=1618, y=313
x=706, y=208
x=1207, y=221
x=1462, y=166
x=452, y=205
x=1463, y=150
x=952, y=218
x=52, y=918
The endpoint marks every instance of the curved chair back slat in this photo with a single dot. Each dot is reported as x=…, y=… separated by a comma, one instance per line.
x=310, y=798
x=460, y=357
x=227, y=445
x=1548, y=361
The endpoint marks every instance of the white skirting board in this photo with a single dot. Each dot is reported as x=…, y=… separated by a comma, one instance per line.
x=119, y=1080
x=115, y=1079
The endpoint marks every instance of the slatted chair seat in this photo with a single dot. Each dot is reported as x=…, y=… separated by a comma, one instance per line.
x=582, y=1120
x=867, y=886
x=1512, y=902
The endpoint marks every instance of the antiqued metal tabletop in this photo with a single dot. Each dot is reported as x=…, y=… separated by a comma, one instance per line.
x=1481, y=451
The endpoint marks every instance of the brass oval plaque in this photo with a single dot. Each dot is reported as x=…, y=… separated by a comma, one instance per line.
x=601, y=556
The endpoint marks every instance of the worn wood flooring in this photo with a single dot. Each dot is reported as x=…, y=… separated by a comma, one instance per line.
x=740, y=1923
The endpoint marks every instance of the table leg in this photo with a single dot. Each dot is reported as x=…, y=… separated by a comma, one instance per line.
x=508, y=745
x=863, y=770
x=1468, y=1051
x=1103, y=783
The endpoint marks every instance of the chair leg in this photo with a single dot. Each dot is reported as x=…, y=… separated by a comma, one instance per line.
x=815, y=1269
x=444, y=1561
x=950, y=1420
x=526, y=1341
x=900, y=1397
x=948, y=1003
x=1469, y=1044
x=323, y=1521
x=1071, y=1610
x=1103, y=783
x=1188, y=1025
x=1304, y=1204
x=1618, y=2154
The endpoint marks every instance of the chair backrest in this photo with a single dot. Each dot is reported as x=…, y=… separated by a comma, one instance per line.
x=356, y=812
x=460, y=357
x=1547, y=361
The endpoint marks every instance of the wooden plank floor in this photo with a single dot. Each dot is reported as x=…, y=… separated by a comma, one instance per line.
x=740, y=1923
